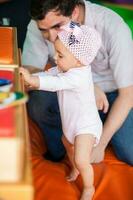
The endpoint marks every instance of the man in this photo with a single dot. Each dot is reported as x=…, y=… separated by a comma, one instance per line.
x=112, y=72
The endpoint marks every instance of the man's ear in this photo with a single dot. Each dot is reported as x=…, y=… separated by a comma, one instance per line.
x=75, y=14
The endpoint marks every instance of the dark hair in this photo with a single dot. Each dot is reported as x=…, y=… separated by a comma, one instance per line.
x=39, y=8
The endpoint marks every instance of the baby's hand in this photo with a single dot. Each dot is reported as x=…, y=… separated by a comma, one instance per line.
x=25, y=74
x=30, y=80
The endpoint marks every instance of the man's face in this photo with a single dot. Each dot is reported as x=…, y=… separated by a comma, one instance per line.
x=50, y=25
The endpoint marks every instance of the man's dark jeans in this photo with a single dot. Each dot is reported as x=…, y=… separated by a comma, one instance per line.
x=44, y=110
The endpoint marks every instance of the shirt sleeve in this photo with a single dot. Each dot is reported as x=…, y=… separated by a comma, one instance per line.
x=53, y=71
x=35, y=50
x=54, y=81
x=121, y=55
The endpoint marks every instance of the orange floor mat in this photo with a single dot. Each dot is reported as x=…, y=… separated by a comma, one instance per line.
x=113, y=178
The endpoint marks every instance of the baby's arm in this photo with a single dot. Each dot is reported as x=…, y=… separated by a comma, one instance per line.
x=29, y=78
x=51, y=80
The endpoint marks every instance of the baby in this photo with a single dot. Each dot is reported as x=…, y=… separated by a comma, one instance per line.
x=76, y=47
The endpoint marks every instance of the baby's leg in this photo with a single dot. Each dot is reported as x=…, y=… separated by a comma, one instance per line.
x=70, y=152
x=82, y=150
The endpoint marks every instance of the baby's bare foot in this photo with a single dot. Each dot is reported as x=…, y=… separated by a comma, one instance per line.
x=88, y=194
x=73, y=175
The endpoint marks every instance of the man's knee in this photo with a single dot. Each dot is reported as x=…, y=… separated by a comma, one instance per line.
x=43, y=105
x=129, y=159
x=124, y=153
x=122, y=140
x=56, y=150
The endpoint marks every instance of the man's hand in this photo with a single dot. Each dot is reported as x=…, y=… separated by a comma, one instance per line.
x=98, y=153
x=101, y=99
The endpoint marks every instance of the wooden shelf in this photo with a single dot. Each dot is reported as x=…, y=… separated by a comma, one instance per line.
x=22, y=189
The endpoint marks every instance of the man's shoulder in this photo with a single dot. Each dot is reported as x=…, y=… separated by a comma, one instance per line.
x=32, y=25
x=33, y=29
x=101, y=12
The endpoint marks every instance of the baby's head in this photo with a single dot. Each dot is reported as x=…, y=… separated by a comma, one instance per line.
x=76, y=46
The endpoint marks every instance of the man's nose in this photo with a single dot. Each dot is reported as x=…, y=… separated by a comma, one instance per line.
x=52, y=35
x=55, y=57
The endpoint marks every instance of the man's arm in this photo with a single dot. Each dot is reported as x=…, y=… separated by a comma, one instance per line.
x=33, y=69
x=120, y=50
x=36, y=50
x=121, y=64
x=117, y=115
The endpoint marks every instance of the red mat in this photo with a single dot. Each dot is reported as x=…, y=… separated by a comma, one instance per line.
x=113, y=178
